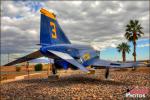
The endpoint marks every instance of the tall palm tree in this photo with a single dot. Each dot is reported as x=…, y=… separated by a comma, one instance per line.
x=133, y=32
x=123, y=47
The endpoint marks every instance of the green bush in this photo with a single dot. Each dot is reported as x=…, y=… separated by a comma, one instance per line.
x=38, y=67
x=18, y=69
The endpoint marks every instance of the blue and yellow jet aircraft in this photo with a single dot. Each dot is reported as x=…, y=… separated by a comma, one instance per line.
x=54, y=44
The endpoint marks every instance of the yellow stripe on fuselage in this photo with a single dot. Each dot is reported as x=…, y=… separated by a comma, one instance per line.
x=48, y=14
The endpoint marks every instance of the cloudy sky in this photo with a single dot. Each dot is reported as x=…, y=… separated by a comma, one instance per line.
x=98, y=23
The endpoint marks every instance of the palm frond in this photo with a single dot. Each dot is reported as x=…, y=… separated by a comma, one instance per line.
x=136, y=22
x=123, y=47
x=141, y=32
x=131, y=22
x=131, y=28
x=138, y=35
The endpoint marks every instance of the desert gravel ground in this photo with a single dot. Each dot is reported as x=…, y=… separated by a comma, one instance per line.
x=77, y=87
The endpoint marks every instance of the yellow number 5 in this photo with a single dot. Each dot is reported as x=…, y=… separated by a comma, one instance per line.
x=54, y=35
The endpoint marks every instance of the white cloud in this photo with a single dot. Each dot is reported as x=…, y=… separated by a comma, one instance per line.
x=84, y=22
x=143, y=45
x=14, y=9
x=95, y=4
x=76, y=3
x=146, y=17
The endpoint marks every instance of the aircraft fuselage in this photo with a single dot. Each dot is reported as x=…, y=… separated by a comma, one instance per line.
x=82, y=53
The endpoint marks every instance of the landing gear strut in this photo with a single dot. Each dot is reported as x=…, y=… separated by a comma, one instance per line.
x=53, y=76
x=54, y=71
x=107, y=72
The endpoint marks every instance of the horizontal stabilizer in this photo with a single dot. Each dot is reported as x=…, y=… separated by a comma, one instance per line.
x=69, y=59
x=28, y=57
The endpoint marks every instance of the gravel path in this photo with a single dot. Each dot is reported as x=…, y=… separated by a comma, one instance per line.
x=75, y=87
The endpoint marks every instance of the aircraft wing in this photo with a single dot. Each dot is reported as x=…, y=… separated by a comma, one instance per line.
x=28, y=57
x=104, y=63
x=69, y=59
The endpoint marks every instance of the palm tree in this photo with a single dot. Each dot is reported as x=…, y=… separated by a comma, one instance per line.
x=123, y=47
x=133, y=32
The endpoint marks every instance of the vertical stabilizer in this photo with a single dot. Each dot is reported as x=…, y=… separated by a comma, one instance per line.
x=50, y=31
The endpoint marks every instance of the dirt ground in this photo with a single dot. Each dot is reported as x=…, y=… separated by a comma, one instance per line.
x=74, y=85
x=9, y=72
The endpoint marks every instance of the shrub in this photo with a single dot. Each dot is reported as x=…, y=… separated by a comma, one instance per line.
x=18, y=69
x=38, y=67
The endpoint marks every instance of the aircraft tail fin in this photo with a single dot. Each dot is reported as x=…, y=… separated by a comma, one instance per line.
x=50, y=31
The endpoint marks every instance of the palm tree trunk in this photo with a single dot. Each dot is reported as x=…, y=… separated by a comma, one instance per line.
x=123, y=56
x=134, y=53
x=134, y=43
